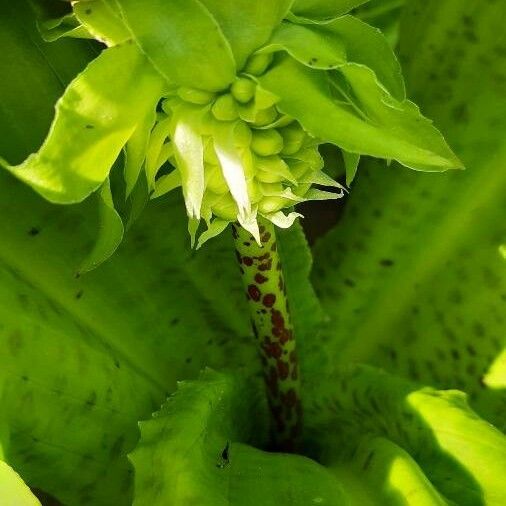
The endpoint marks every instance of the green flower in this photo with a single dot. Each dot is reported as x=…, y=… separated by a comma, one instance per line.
x=229, y=100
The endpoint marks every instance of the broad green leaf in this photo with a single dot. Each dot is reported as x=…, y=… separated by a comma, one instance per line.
x=171, y=42
x=110, y=231
x=461, y=455
x=373, y=122
x=324, y=9
x=25, y=56
x=381, y=471
x=321, y=9
x=13, y=491
x=412, y=276
x=193, y=451
x=94, y=119
x=102, y=20
x=383, y=14
x=247, y=24
x=345, y=39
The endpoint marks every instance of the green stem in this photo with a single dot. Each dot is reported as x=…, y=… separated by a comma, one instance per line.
x=265, y=290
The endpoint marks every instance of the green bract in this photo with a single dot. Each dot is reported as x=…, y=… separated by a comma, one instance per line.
x=228, y=100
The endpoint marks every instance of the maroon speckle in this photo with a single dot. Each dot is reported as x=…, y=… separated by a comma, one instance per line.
x=283, y=369
x=277, y=319
x=263, y=257
x=254, y=292
x=247, y=261
x=273, y=350
x=269, y=300
x=261, y=229
x=265, y=237
x=266, y=266
x=260, y=278
x=247, y=243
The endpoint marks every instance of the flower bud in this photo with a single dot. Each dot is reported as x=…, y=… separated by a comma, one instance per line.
x=243, y=90
x=225, y=208
x=293, y=138
x=195, y=96
x=258, y=64
x=265, y=117
x=225, y=108
x=266, y=142
x=215, y=181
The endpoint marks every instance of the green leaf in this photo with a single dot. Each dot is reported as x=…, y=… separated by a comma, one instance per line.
x=193, y=451
x=56, y=20
x=14, y=491
x=351, y=161
x=373, y=123
x=412, y=276
x=94, y=119
x=246, y=24
x=110, y=232
x=461, y=455
x=320, y=9
x=24, y=57
x=184, y=53
x=345, y=39
x=102, y=20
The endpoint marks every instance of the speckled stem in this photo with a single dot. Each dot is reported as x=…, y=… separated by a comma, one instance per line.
x=270, y=314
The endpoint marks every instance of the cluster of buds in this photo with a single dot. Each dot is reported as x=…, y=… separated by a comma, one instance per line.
x=240, y=155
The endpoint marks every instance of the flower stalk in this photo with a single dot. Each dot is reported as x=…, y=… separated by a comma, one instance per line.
x=265, y=288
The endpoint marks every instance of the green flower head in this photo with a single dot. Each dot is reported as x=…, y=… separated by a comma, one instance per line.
x=228, y=100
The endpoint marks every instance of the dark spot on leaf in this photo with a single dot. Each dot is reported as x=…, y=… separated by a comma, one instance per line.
x=34, y=231
x=88, y=11
x=89, y=127
x=79, y=294
x=386, y=262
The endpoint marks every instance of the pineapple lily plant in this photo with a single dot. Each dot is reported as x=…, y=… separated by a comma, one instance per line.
x=227, y=103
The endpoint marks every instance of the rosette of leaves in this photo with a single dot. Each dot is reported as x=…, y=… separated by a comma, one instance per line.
x=227, y=100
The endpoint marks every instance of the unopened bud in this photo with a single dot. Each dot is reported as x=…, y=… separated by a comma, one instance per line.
x=257, y=64
x=225, y=108
x=215, y=181
x=293, y=138
x=195, y=96
x=243, y=90
x=265, y=116
x=266, y=142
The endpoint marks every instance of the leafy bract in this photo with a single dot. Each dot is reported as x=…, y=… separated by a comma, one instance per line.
x=193, y=451
x=365, y=120
x=96, y=116
x=331, y=44
x=164, y=33
x=321, y=9
x=412, y=276
x=102, y=19
x=246, y=24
